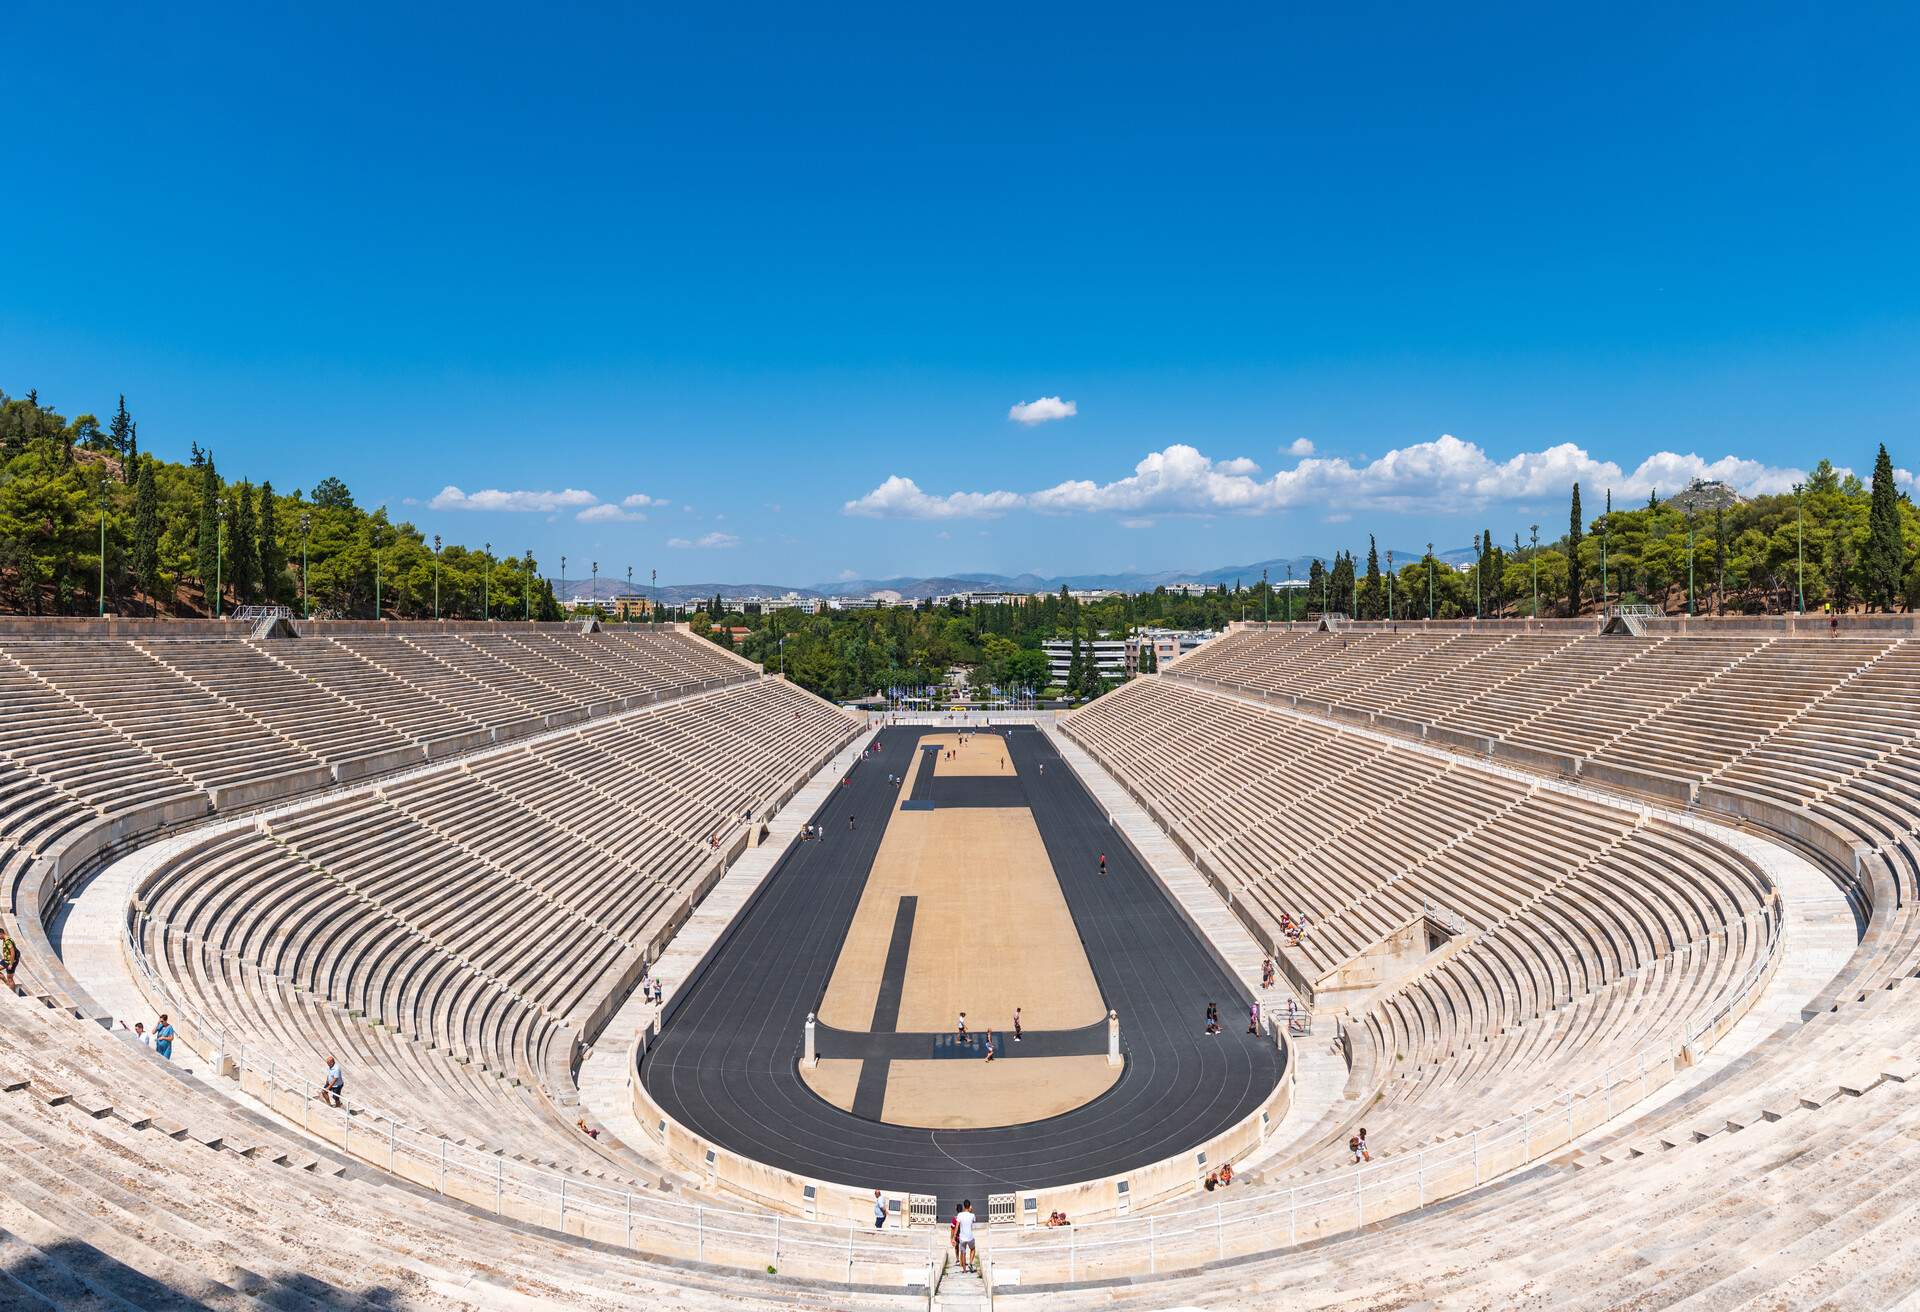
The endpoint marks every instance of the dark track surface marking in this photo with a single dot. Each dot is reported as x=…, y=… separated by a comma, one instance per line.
x=726, y=1065
x=870, y=1093
x=945, y=791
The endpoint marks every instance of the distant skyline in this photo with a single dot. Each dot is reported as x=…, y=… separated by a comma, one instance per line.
x=800, y=296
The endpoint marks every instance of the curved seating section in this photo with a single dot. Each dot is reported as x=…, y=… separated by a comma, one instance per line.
x=107, y=738
x=450, y=933
x=130, y=1185
x=1590, y=931
x=1818, y=738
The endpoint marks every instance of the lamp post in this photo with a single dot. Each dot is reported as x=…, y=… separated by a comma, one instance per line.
x=436, y=576
x=1430, y=611
x=1265, y=592
x=1389, y=582
x=486, y=580
x=103, y=548
x=529, y=562
x=1289, y=594
x=594, y=587
x=1533, y=554
x=654, y=575
x=306, y=537
x=1799, y=550
x=563, y=581
x=219, y=542
x=629, y=585
x=376, y=571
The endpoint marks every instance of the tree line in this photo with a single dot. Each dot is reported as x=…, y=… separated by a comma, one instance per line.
x=80, y=502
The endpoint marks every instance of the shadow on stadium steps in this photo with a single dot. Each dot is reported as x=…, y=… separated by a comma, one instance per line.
x=73, y=1273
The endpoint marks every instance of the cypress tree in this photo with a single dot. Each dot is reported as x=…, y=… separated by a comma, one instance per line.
x=1374, y=597
x=242, y=559
x=1574, y=534
x=146, y=534
x=1886, y=557
x=133, y=442
x=1076, y=671
x=273, y=559
x=206, y=539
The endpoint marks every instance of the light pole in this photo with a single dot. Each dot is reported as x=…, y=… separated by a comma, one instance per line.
x=529, y=560
x=594, y=587
x=103, y=548
x=219, y=542
x=1266, y=592
x=486, y=580
x=654, y=574
x=1689, y=560
x=376, y=571
x=563, y=581
x=1289, y=594
x=1430, y=613
x=306, y=537
x=1389, y=582
x=629, y=584
x=1800, y=549
x=1533, y=554
x=436, y=576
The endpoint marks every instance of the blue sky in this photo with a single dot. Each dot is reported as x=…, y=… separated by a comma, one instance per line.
x=778, y=276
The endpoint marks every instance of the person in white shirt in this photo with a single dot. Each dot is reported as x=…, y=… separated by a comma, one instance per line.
x=141, y=1036
x=963, y=1219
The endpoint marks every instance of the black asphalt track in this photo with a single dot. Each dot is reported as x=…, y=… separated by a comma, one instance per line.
x=726, y=1063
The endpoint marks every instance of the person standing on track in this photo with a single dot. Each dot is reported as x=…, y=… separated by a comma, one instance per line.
x=1103, y=863
x=1016, y=1024
x=960, y=1032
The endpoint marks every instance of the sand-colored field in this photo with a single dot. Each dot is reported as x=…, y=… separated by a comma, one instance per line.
x=971, y=1095
x=975, y=753
x=991, y=930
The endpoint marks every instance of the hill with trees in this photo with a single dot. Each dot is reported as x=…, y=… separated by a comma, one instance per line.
x=180, y=540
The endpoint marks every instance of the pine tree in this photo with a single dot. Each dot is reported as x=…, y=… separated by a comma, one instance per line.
x=1574, y=534
x=1885, y=561
x=146, y=534
x=1374, y=598
x=120, y=431
x=206, y=540
x=273, y=558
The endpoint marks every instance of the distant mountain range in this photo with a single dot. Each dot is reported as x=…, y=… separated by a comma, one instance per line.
x=940, y=586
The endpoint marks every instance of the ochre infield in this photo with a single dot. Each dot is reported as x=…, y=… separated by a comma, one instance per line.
x=970, y=895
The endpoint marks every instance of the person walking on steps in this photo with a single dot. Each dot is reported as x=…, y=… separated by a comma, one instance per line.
x=963, y=1233
x=336, y=1083
x=163, y=1037
x=879, y=1211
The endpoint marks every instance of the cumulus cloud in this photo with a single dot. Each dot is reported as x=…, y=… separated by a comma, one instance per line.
x=1042, y=410
x=1443, y=475
x=641, y=501
x=1300, y=446
x=901, y=498
x=493, y=498
x=715, y=541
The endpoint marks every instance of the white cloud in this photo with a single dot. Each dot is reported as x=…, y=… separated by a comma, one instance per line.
x=493, y=498
x=641, y=501
x=1300, y=446
x=1444, y=475
x=901, y=498
x=1136, y=523
x=715, y=541
x=1042, y=410
x=608, y=513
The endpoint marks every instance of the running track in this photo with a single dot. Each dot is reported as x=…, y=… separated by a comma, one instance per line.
x=726, y=1064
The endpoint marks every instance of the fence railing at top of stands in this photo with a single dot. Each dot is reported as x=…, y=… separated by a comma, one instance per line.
x=1637, y=612
x=248, y=614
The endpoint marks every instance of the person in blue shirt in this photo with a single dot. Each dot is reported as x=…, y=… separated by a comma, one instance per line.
x=163, y=1037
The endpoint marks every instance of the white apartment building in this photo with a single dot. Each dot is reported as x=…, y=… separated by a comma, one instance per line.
x=1108, y=654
